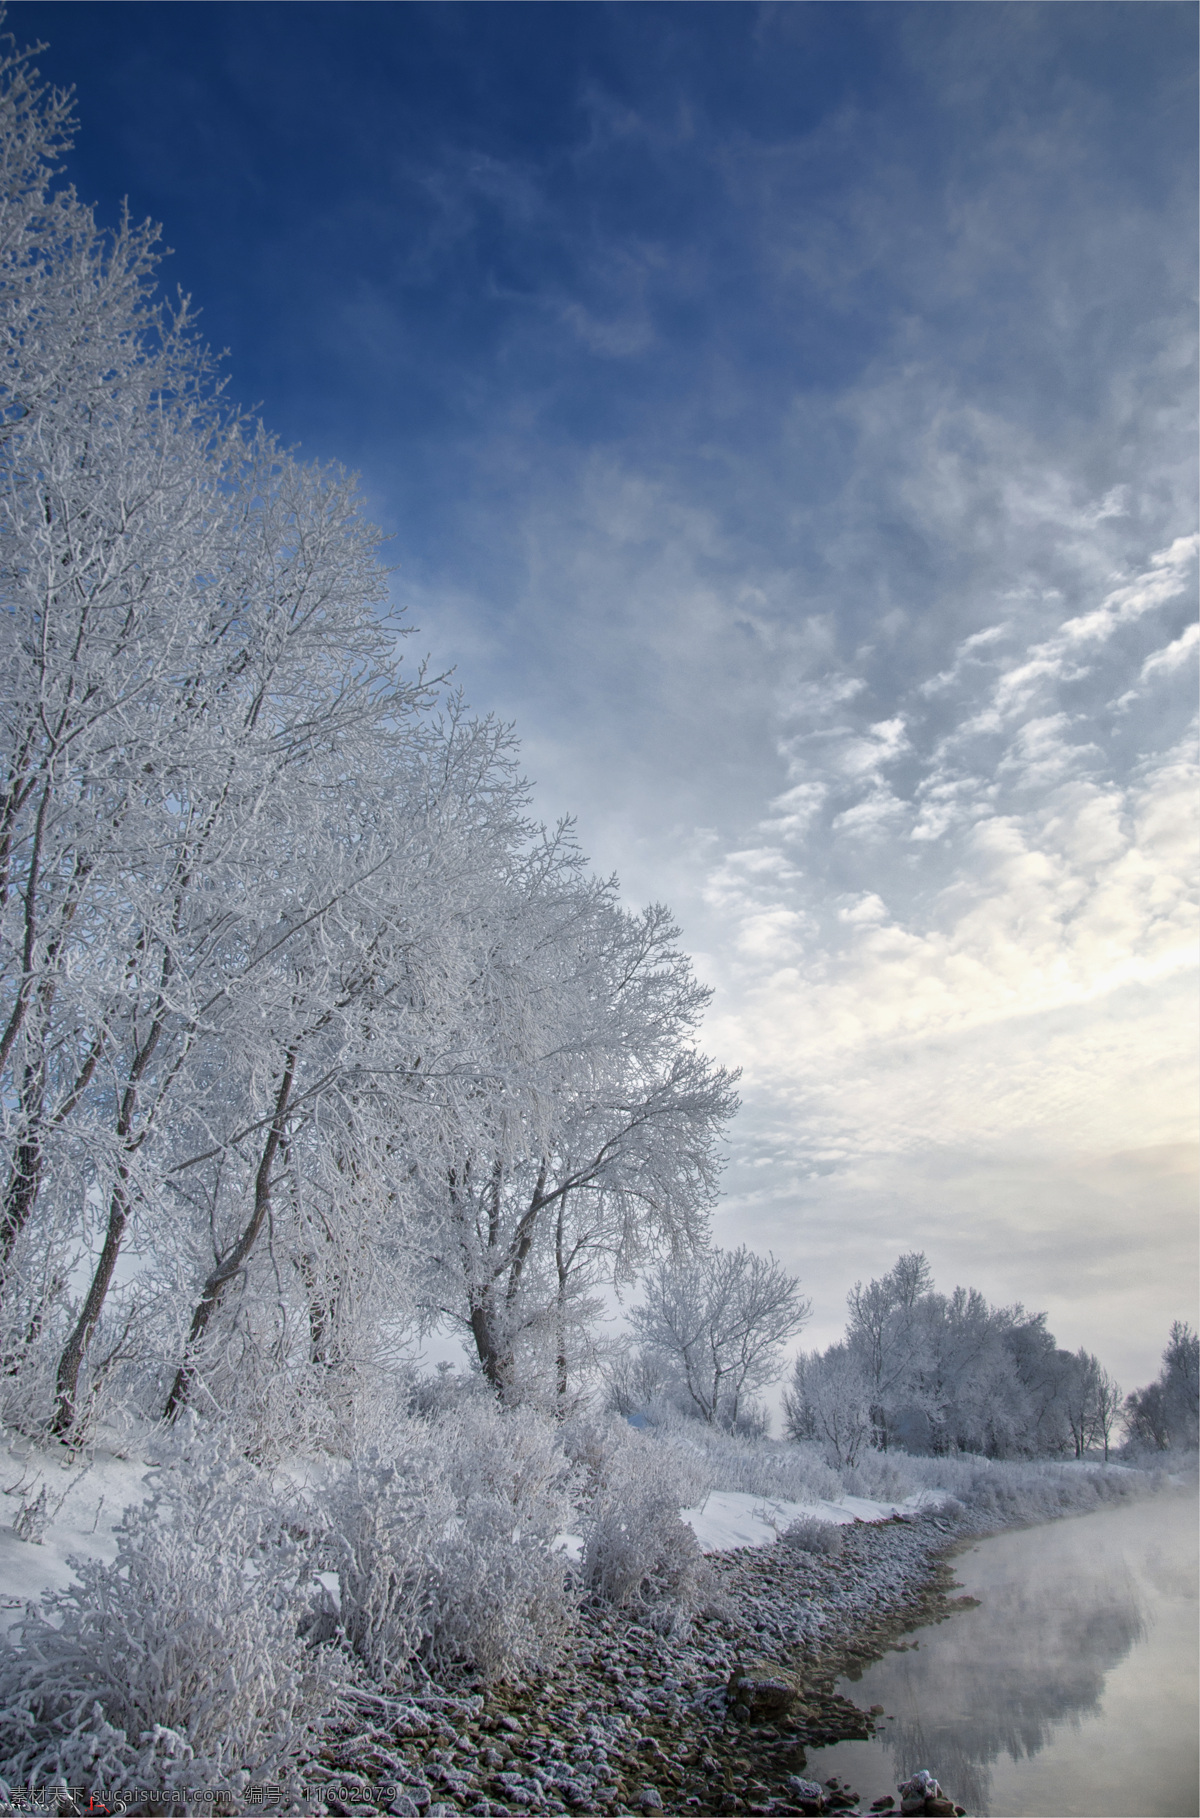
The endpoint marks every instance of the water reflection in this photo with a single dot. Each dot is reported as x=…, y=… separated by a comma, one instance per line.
x=1061, y=1608
x=1045, y=1650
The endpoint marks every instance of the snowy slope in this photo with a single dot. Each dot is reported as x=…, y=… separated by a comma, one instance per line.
x=70, y=1506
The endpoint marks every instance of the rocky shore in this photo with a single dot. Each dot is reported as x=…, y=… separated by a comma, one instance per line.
x=633, y=1722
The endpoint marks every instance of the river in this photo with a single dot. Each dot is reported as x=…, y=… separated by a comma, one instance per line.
x=1071, y=1689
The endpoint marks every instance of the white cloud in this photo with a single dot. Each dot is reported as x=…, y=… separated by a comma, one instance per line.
x=866, y=908
x=871, y=695
x=1173, y=656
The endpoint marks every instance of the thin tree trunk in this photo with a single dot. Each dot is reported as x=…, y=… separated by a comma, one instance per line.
x=29, y=944
x=29, y=1156
x=20, y=1194
x=71, y=1360
x=563, y=1267
x=231, y=1265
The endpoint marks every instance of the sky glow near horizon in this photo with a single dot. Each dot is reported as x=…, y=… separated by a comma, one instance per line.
x=785, y=416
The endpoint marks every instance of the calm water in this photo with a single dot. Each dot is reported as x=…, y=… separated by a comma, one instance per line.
x=1071, y=1690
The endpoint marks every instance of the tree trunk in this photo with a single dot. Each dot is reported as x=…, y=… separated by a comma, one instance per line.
x=564, y=1270
x=232, y=1264
x=20, y=1195
x=29, y=1156
x=71, y=1361
x=495, y=1358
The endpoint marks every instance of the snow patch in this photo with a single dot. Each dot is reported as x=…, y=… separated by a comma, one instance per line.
x=728, y=1519
x=83, y=1501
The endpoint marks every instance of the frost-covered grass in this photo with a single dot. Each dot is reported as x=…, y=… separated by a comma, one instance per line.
x=759, y=1467
x=180, y=1662
x=991, y=1492
x=1009, y=1492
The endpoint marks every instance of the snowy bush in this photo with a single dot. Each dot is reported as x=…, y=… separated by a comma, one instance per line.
x=447, y=1552
x=637, y=1553
x=760, y=1467
x=179, y=1663
x=387, y=1522
x=883, y=1476
x=503, y=1596
x=809, y=1535
x=1003, y=1492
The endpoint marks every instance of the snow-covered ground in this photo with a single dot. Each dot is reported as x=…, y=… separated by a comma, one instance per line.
x=53, y=1506
x=728, y=1519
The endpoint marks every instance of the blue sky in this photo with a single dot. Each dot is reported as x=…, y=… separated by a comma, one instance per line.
x=785, y=414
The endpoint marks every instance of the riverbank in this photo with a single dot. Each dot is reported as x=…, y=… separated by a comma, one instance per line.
x=636, y=1722
x=717, y=1716
x=721, y=1720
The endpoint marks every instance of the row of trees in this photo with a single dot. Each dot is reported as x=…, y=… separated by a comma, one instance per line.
x=917, y=1371
x=308, y=1037
x=931, y=1373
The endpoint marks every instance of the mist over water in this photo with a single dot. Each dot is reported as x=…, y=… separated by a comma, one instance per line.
x=1072, y=1689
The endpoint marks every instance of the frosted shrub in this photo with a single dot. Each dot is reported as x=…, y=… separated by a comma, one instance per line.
x=387, y=1523
x=881, y=1475
x=808, y=1535
x=1001, y=1492
x=448, y=1552
x=504, y=1596
x=179, y=1664
x=760, y=1467
x=638, y=1554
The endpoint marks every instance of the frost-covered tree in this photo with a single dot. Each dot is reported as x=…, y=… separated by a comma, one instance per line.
x=189, y=636
x=308, y=1149
x=1109, y=1402
x=970, y=1395
x=1167, y=1412
x=579, y=1130
x=719, y=1322
x=828, y=1402
x=948, y=1373
x=306, y=1034
x=1081, y=1384
x=1181, y=1382
x=884, y=1335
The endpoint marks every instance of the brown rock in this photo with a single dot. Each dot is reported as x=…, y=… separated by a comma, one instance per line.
x=761, y=1695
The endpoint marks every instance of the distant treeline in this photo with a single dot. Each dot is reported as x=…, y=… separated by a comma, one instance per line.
x=934, y=1373
x=923, y=1372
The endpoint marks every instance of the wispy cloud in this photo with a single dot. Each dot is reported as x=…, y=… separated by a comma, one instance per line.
x=853, y=610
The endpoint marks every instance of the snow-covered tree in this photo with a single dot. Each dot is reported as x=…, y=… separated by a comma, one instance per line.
x=306, y=1033
x=1167, y=1412
x=719, y=1322
x=310, y=1139
x=828, y=1402
x=190, y=638
x=946, y=1373
x=579, y=1130
x=1109, y=1402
